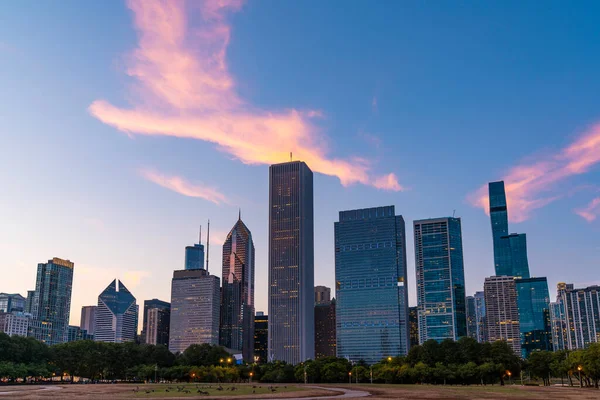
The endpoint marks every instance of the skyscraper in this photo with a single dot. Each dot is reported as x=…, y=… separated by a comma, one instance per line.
x=116, y=315
x=413, y=322
x=88, y=319
x=291, y=263
x=480, y=317
x=371, y=284
x=534, y=315
x=29, y=301
x=440, y=279
x=558, y=325
x=194, y=309
x=52, y=301
x=12, y=302
x=502, y=312
x=157, y=316
x=471, y=318
x=322, y=295
x=325, y=337
x=261, y=337
x=237, y=294
x=194, y=256
x=582, y=315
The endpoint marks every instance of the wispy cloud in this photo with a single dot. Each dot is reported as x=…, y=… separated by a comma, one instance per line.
x=184, y=187
x=591, y=211
x=184, y=90
x=533, y=185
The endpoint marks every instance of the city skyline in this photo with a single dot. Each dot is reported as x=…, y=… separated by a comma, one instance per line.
x=126, y=204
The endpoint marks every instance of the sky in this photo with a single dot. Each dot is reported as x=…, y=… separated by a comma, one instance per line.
x=126, y=125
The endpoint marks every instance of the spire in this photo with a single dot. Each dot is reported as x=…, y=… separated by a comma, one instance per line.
x=240, y=214
x=200, y=236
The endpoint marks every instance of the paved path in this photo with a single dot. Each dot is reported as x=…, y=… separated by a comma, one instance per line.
x=31, y=390
x=346, y=393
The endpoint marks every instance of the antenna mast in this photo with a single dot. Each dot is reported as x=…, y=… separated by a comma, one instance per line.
x=207, y=245
x=200, y=236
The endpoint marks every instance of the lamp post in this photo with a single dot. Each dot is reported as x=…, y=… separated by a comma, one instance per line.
x=350, y=377
x=371, y=374
x=580, y=381
x=389, y=359
x=509, y=375
x=155, y=372
x=251, y=373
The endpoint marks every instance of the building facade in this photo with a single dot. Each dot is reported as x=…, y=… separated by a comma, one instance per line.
x=582, y=315
x=558, y=326
x=371, y=285
x=322, y=295
x=502, y=311
x=195, y=301
x=481, y=334
x=155, y=325
x=237, y=294
x=261, y=338
x=88, y=319
x=15, y=323
x=29, y=301
x=194, y=256
x=51, y=303
x=413, y=322
x=12, y=302
x=533, y=301
x=325, y=336
x=471, y=318
x=116, y=315
x=291, y=263
x=75, y=333
x=440, y=279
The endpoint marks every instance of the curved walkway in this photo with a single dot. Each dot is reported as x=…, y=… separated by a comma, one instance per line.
x=36, y=390
x=346, y=393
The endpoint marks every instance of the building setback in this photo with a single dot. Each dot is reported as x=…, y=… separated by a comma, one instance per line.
x=116, y=315
x=157, y=316
x=261, y=338
x=88, y=319
x=502, y=312
x=325, y=337
x=51, y=303
x=237, y=294
x=581, y=313
x=371, y=285
x=291, y=263
x=440, y=279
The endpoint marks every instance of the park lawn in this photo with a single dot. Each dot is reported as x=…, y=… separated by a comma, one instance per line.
x=170, y=390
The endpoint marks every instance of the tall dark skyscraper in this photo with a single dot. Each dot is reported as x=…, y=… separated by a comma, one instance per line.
x=325, y=337
x=370, y=273
x=413, y=322
x=261, y=337
x=237, y=294
x=157, y=315
x=52, y=301
x=116, y=315
x=440, y=277
x=291, y=263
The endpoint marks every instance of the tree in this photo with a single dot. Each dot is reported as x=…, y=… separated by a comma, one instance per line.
x=591, y=363
x=204, y=354
x=540, y=365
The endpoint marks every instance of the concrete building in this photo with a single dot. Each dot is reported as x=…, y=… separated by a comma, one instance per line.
x=15, y=323
x=581, y=315
x=322, y=295
x=502, y=311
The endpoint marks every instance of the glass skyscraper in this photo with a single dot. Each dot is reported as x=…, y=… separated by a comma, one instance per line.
x=371, y=285
x=12, y=302
x=440, y=279
x=291, y=263
x=237, y=294
x=480, y=317
x=558, y=325
x=471, y=318
x=52, y=301
x=155, y=326
x=116, y=315
x=194, y=256
x=533, y=301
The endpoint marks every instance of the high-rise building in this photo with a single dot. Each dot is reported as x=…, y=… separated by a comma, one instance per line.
x=322, y=295
x=291, y=263
x=75, y=333
x=12, y=302
x=471, y=318
x=481, y=328
x=88, y=319
x=558, y=325
x=582, y=315
x=261, y=338
x=194, y=309
x=52, y=301
x=371, y=284
x=116, y=315
x=533, y=300
x=413, y=322
x=15, y=323
x=237, y=294
x=502, y=311
x=440, y=279
x=29, y=301
x=325, y=340
x=194, y=256
x=155, y=325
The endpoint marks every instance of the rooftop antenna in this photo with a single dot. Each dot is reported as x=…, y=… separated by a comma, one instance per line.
x=240, y=214
x=453, y=213
x=207, y=245
x=200, y=236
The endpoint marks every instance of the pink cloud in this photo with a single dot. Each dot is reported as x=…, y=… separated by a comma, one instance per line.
x=591, y=211
x=529, y=185
x=183, y=89
x=182, y=186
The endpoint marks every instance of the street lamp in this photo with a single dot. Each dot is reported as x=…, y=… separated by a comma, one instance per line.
x=579, y=368
x=229, y=360
x=509, y=375
x=221, y=361
x=251, y=373
x=350, y=377
x=390, y=359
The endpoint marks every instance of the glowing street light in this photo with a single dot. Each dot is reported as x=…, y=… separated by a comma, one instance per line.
x=390, y=359
x=579, y=368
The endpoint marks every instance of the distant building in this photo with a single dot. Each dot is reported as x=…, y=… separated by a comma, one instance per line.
x=371, y=285
x=440, y=279
x=502, y=312
x=558, y=325
x=481, y=332
x=325, y=336
x=75, y=333
x=51, y=304
x=237, y=294
x=533, y=300
x=116, y=315
x=413, y=318
x=29, y=301
x=194, y=257
x=582, y=315
x=261, y=338
x=15, y=323
x=291, y=263
x=471, y=318
x=88, y=319
x=12, y=302
x=322, y=295
x=157, y=316
x=194, y=309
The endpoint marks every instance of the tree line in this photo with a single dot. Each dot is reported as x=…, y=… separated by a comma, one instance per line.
x=464, y=362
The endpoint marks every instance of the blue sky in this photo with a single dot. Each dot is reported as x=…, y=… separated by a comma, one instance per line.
x=445, y=97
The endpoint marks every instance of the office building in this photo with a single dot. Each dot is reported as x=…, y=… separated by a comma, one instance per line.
x=502, y=311
x=558, y=325
x=88, y=319
x=194, y=309
x=261, y=338
x=29, y=302
x=291, y=263
x=322, y=295
x=325, y=336
x=194, y=256
x=116, y=315
x=481, y=328
x=155, y=325
x=582, y=315
x=371, y=285
x=15, y=323
x=75, y=333
x=237, y=294
x=52, y=301
x=471, y=318
x=12, y=302
x=413, y=323
x=440, y=279
x=533, y=301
